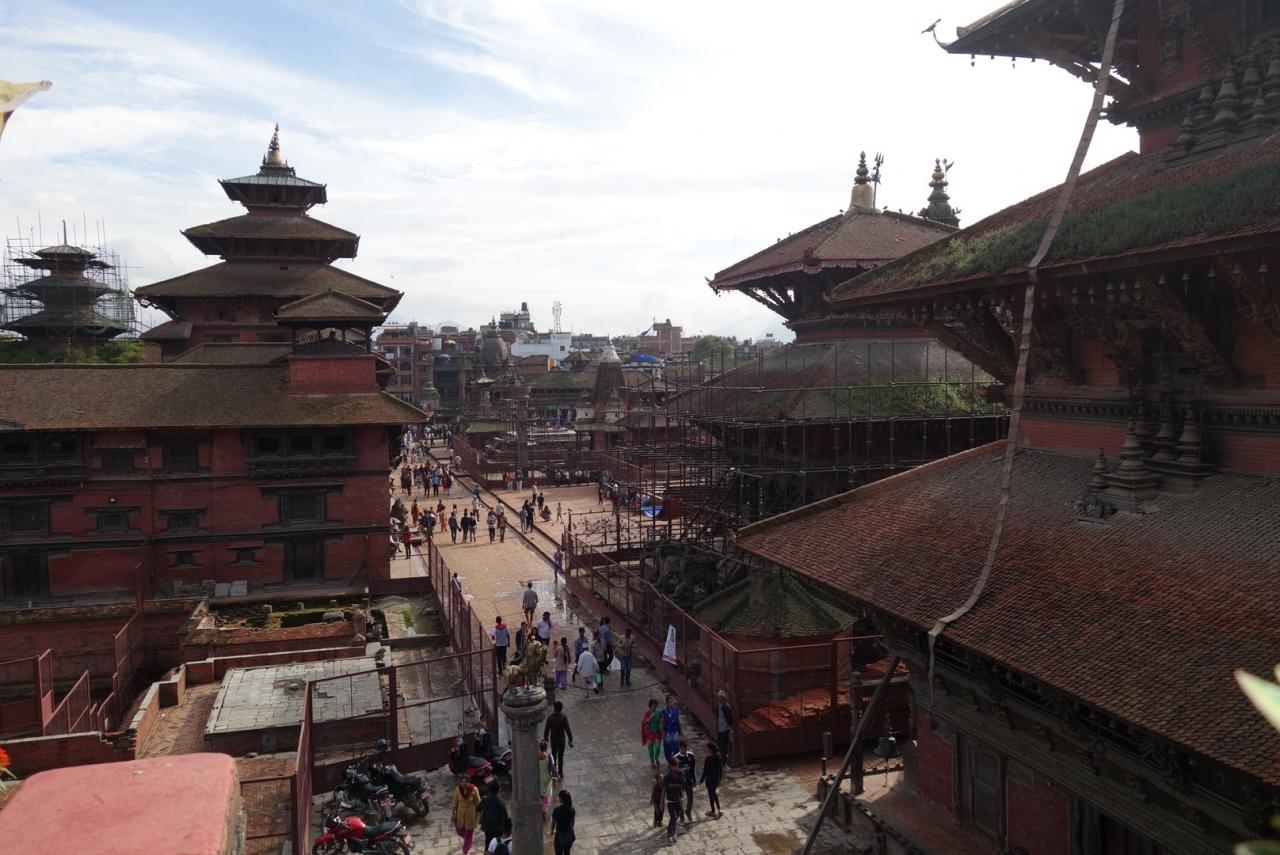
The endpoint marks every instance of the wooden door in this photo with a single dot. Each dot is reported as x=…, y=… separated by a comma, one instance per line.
x=984, y=789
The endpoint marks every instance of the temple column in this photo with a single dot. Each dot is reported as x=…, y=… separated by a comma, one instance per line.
x=524, y=708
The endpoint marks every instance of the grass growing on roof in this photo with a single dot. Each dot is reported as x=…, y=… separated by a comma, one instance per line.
x=26, y=352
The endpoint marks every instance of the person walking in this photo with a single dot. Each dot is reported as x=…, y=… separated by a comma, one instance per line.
x=492, y=521
x=466, y=801
x=442, y=516
x=589, y=670
x=562, y=819
x=453, y=524
x=559, y=512
x=607, y=639
x=501, y=637
x=544, y=631
x=560, y=655
x=625, y=647
x=673, y=783
x=712, y=772
x=529, y=601
x=556, y=732
x=657, y=797
x=408, y=541
x=522, y=640
x=651, y=733
x=528, y=514
x=724, y=725
x=546, y=772
x=689, y=769
x=557, y=564
x=502, y=524
x=501, y=845
x=598, y=652
x=671, y=731
x=493, y=815
x=580, y=644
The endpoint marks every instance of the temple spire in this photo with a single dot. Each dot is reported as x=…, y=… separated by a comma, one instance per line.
x=863, y=198
x=273, y=156
x=939, y=208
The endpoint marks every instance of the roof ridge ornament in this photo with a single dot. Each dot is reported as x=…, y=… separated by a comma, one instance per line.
x=863, y=198
x=939, y=208
x=273, y=159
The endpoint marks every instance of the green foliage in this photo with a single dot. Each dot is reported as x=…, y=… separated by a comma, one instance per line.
x=1203, y=208
x=711, y=350
x=109, y=352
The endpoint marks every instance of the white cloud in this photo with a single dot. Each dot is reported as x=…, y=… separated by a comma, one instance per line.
x=606, y=155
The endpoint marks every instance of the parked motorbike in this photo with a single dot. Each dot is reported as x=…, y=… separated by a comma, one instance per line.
x=463, y=762
x=410, y=790
x=352, y=834
x=359, y=793
x=499, y=757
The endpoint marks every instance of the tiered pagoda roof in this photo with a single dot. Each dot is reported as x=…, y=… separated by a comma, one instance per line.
x=68, y=297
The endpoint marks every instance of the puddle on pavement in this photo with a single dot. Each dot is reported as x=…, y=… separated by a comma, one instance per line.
x=775, y=843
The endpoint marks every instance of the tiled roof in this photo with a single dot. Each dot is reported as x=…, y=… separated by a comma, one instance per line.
x=262, y=226
x=845, y=378
x=564, y=380
x=1009, y=237
x=846, y=240
x=151, y=395
x=168, y=331
x=332, y=306
x=1144, y=617
x=254, y=279
x=774, y=605
x=235, y=353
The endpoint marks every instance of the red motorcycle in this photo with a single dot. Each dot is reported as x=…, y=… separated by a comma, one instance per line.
x=352, y=834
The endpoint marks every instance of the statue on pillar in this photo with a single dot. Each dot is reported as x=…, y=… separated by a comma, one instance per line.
x=524, y=703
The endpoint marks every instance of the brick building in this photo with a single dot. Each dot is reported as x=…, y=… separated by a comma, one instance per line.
x=1085, y=702
x=411, y=349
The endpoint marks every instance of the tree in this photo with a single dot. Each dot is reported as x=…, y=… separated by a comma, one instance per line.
x=713, y=350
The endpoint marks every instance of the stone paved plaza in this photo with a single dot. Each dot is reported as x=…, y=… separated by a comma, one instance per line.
x=766, y=809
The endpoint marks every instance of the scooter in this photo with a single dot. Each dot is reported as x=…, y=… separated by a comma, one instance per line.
x=463, y=762
x=410, y=790
x=352, y=834
x=499, y=758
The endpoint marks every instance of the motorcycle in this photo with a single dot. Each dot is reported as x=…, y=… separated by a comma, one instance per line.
x=410, y=790
x=463, y=762
x=499, y=758
x=359, y=793
x=352, y=834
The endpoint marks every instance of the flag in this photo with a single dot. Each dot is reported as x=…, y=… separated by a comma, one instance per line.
x=13, y=95
x=669, y=649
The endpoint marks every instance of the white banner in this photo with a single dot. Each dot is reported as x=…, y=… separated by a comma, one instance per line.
x=669, y=649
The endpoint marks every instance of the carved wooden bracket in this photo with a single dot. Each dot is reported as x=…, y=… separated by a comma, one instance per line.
x=1108, y=326
x=1263, y=303
x=979, y=338
x=1158, y=302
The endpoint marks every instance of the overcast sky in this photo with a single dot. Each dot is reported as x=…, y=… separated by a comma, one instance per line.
x=609, y=155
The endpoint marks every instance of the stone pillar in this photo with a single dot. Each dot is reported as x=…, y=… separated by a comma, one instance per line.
x=524, y=709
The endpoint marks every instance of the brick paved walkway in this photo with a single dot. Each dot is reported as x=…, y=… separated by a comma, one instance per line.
x=765, y=811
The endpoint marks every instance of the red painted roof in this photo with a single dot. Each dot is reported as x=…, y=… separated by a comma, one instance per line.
x=1144, y=617
x=857, y=238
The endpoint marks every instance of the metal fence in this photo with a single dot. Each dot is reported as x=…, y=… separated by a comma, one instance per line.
x=785, y=697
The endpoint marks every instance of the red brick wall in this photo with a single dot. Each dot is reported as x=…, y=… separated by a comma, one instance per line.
x=1257, y=352
x=41, y=753
x=1254, y=453
x=934, y=763
x=1038, y=816
x=332, y=374
x=1081, y=437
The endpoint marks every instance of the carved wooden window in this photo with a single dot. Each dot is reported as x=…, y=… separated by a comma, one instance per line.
x=24, y=518
x=182, y=457
x=983, y=783
x=112, y=522
x=116, y=461
x=184, y=559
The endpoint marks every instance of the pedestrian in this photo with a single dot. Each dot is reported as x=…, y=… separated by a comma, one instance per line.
x=673, y=783
x=657, y=797
x=561, y=657
x=502, y=525
x=510, y=479
x=557, y=732
x=625, y=648
x=689, y=769
x=476, y=495
x=528, y=514
x=597, y=651
x=492, y=521
x=606, y=637
x=546, y=771
x=712, y=771
x=501, y=845
x=562, y=818
x=544, y=630
x=559, y=512
x=493, y=815
x=557, y=564
x=589, y=670
x=580, y=644
x=466, y=800
x=453, y=524
x=724, y=725
x=522, y=640
x=529, y=600
x=501, y=637
x=651, y=732
x=442, y=516
x=408, y=541
x=671, y=732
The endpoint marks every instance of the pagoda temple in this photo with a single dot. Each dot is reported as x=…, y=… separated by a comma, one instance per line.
x=1072, y=664
x=273, y=255
x=68, y=298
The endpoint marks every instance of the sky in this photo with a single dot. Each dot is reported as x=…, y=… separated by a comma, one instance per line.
x=607, y=155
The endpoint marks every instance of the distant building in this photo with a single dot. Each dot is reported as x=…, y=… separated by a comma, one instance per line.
x=411, y=350
x=666, y=338
x=516, y=321
x=557, y=345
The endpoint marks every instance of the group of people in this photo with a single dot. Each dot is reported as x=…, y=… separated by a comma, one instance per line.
x=430, y=477
x=660, y=730
x=489, y=813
